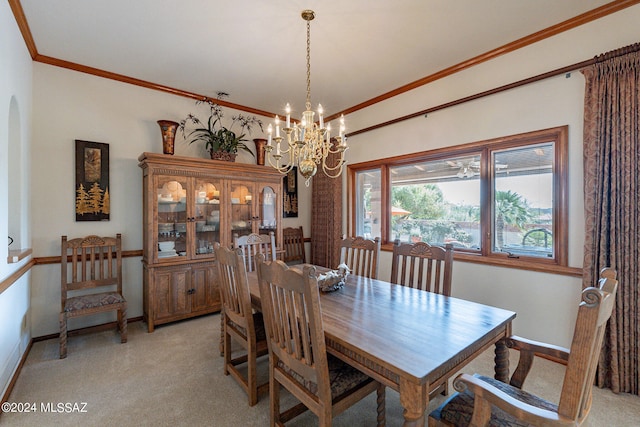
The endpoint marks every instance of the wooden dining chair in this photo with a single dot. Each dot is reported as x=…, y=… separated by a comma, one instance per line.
x=298, y=359
x=422, y=266
x=426, y=267
x=293, y=240
x=485, y=401
x=240, y=323
x=91, y=281
x=253, y=244
x=360, y=255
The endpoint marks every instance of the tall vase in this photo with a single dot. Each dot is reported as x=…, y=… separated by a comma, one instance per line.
x=168, y=129
x=260, y=144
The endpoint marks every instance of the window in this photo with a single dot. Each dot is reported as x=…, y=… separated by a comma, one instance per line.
x=437, y=201
x=523, y=200
x=501, y=200
x=368, y=204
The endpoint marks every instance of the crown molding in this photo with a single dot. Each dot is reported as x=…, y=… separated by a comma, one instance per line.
x=592, y=15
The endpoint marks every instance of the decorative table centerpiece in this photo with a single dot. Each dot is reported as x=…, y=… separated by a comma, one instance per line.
x=333, y=279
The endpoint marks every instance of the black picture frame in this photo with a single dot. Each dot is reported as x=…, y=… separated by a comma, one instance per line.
x=92, y=200
x=290, y=194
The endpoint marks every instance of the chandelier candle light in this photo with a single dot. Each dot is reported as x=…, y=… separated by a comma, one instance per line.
x=309, y=144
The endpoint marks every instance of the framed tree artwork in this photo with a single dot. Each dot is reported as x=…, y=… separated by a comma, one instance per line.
x=92, y=181
x=290, y=194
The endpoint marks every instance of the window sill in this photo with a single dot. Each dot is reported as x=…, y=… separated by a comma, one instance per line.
x=517, y=264
x=520, y=264
x=16, y=255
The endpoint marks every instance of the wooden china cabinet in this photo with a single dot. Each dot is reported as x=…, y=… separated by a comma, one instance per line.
x=188, y=205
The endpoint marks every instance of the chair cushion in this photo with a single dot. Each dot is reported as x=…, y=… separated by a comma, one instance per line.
x=258, y=325
x=342, y=377
x=458, y=409
x=85, y=302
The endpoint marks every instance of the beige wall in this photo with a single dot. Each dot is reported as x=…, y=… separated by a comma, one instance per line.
x=546, y=304
x=15, y=134
x=68, y=106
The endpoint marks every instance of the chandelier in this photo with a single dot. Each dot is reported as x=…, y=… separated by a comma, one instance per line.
x=309, y=144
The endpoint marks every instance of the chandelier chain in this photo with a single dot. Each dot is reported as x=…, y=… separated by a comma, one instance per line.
x=308, y=103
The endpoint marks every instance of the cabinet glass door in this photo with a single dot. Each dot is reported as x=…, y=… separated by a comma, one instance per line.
x=267, y=209
x=206, y=216
x=242, y=213
x=172, y=216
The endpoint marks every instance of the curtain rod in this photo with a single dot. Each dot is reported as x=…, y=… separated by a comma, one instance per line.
x=632, y=48
x=564, y=70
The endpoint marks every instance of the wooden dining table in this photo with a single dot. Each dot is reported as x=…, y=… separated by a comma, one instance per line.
x=408, y=339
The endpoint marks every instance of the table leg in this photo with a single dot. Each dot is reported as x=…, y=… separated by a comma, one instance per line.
x=414, y=398
x=502, y=361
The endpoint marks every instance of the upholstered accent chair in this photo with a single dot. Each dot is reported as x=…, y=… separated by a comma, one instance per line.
x=483, y=401
x=298, y=358
x=91, y=281
x=360, y=255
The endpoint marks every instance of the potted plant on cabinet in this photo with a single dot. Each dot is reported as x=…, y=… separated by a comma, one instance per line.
x=220, y=141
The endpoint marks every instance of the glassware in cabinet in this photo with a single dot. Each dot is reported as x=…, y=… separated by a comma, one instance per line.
x=207, y=216
x=172, y=216
x=268, y=209
x=242, y=210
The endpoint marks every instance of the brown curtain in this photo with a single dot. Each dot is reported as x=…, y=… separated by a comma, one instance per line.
x=612, y=204
x=326, y=219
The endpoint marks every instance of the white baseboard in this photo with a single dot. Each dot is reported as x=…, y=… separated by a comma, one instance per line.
x=10, y=366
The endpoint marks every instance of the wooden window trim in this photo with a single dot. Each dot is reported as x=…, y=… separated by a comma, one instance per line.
x=559, y=135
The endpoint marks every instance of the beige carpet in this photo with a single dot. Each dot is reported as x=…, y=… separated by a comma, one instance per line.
x=174, y=377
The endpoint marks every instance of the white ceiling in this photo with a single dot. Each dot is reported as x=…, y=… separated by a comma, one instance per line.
x=255, y=49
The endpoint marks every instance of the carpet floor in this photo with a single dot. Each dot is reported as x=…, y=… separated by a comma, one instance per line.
x=173, y=377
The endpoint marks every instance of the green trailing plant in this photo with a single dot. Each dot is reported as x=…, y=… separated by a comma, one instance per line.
x=214, y=135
